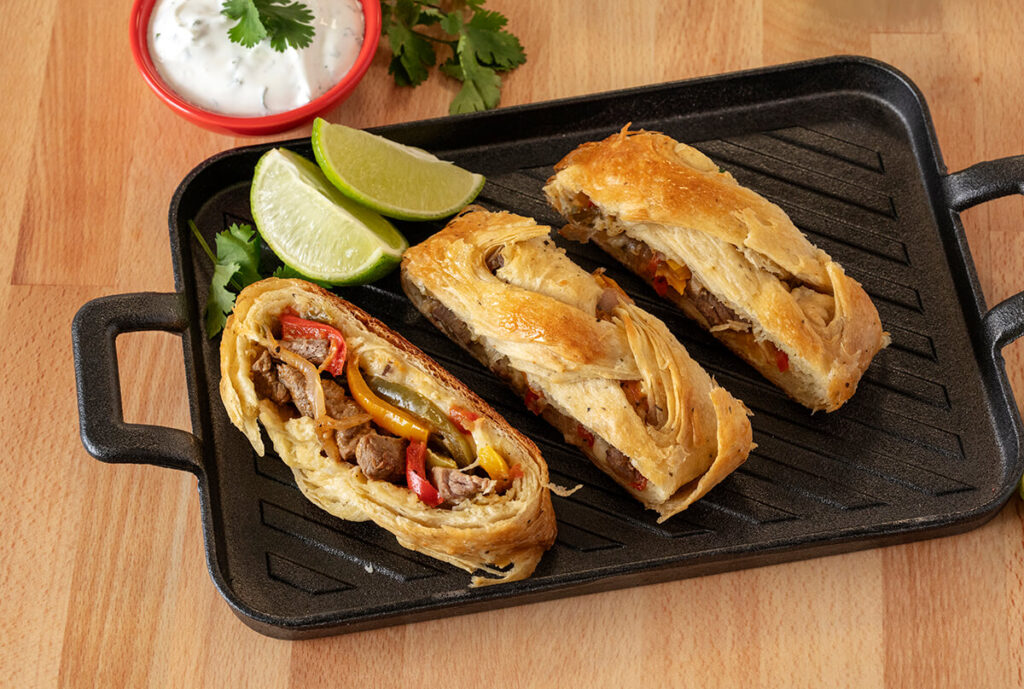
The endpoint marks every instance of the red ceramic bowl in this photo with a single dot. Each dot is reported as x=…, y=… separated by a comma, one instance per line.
x=269, y=124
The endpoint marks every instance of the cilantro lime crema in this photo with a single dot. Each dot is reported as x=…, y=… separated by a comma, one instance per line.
x=190, y=45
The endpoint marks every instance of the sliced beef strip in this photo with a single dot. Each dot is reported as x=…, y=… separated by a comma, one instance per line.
x=348, y=438
x=340, y=406
x=265, y=380
x=713, y=310
x=312, y=350
x=453, y=485
x=381, y=457
x=641, y=251
x=450, y=323
x=336, y=401
x=295, y=381
x=495, y=260
x=623, y=468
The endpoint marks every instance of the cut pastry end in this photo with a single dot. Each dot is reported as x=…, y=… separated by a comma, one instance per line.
x=373, y=429
x=780, y=363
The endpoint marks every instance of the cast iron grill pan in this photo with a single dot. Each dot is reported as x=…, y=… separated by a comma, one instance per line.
x=927, y=446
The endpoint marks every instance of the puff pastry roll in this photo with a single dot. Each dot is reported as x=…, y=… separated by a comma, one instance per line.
x=373, y=429
x=605, y=373
x=731, y=260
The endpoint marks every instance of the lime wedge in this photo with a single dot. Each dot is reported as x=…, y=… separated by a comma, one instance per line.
x=314, y=229
x=395, y=180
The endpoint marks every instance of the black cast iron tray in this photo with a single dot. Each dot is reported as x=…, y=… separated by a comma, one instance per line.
x=929, y=445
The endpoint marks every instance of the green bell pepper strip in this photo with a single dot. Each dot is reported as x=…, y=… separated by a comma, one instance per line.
x=435, y=460
x=411, y=401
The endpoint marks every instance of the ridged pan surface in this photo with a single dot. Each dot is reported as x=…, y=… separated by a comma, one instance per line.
x=843, y=147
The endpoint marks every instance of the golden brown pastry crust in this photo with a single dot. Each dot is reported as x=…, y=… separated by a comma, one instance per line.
x=538, y=311
x=503, y=535
x=742, y=248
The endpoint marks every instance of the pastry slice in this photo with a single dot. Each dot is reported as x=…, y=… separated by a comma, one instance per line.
x=375, y=430
x=603, y=371
x=731, y=260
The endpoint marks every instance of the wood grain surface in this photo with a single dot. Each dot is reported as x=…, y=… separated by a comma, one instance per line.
x=102, y=575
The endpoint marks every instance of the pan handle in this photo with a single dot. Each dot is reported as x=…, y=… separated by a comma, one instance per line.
x=985, y=181
x=104, y=432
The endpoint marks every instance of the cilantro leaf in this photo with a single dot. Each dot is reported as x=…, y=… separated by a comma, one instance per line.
x=249, y=30
x=480, y=46
x=286, y=271
x=235, y=266
x=451, y=23
x=413, y=55
x=220, y=301
x=481, y=85
x=240, y=245
x=490, y=44
x=407, y=12
x=286, y=23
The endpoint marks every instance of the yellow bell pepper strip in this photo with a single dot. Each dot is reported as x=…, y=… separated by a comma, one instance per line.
x=413, y=402
x=293, y=327
x=416, y=474
x=667, y=273
x=386, y=416
x=493, y=463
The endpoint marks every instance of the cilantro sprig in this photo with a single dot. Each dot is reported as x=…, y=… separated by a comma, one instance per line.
x=236, y=265
x=481, y=48
x=285, y=23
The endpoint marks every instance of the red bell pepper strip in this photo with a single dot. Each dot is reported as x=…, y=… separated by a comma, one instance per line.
x=535, y=401
x=462, y=418
x=652, y=265
x=293, y=328
x=781, y=360
x=416, y=474
x=585, y=435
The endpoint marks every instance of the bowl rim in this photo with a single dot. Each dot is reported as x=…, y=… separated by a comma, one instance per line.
x=265, y=124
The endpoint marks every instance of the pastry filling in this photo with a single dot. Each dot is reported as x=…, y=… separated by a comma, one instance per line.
x=670, y=280
x=607, y=457
x=391, y=432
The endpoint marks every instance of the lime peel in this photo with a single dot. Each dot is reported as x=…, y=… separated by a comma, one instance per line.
x=314, y=229
x=391, y=178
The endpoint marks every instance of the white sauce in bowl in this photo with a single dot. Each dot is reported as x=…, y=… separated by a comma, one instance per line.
x=189, y=44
